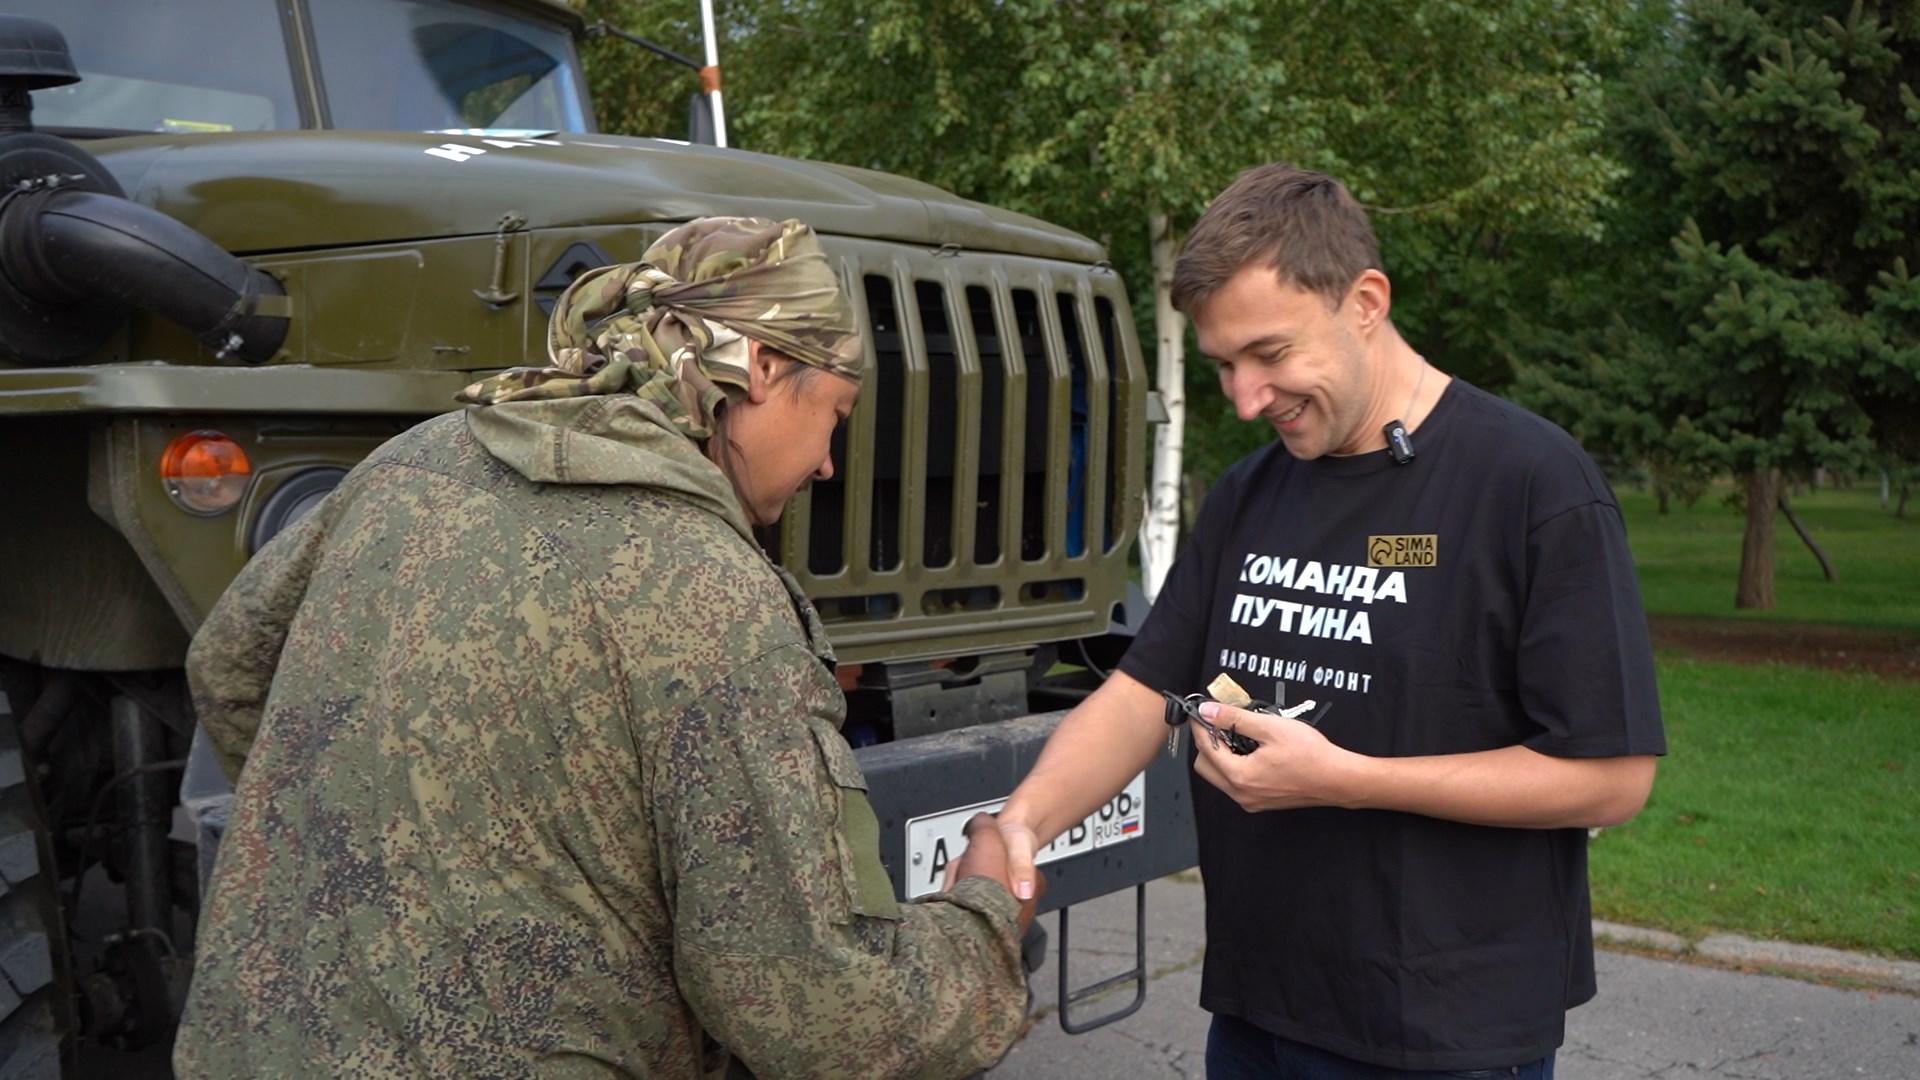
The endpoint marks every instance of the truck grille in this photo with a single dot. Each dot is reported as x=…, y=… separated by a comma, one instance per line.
x=987, y=487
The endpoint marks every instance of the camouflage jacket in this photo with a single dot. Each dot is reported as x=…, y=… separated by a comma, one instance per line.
x=543, y=777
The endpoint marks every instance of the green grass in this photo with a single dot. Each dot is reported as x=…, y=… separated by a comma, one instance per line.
x=1786, y=808
x=1689, y=560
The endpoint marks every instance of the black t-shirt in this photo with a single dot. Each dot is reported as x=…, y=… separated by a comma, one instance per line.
x=1477, y=597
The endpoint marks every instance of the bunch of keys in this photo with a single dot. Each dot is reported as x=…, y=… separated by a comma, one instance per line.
x=1227, y=692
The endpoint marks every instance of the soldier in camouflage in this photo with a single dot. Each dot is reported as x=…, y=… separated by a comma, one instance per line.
x=542, y=769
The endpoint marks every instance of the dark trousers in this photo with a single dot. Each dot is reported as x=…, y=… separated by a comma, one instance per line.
x=1236, y=1050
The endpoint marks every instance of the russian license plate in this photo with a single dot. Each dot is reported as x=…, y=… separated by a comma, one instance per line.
x=935, y=840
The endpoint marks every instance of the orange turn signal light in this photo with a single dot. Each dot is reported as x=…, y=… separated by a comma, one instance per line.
x=205, y=472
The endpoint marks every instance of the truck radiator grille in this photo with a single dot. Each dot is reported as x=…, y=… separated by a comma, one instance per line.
x=987, y=487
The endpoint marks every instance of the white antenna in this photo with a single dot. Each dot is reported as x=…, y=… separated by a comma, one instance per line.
x=710, y=75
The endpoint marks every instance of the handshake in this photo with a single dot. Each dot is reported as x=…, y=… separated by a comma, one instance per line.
x=1004, y=853
x=1077, y=771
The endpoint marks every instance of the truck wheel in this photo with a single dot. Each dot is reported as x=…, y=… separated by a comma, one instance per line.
x=35, y=1013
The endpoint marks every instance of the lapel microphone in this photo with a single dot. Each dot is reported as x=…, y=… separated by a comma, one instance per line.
x=1399, y=443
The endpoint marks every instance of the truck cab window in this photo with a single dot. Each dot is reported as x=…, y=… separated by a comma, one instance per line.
x=139, y=78
x=429, y=65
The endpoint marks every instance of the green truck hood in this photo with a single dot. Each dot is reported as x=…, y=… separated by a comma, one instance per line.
x=266, y=192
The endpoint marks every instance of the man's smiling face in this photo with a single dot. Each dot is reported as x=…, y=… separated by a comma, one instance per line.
x=1285, y=356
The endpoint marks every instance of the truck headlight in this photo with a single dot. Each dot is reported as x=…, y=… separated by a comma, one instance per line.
x=291, y=501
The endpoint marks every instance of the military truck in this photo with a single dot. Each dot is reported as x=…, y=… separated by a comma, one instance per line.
x=243, y=243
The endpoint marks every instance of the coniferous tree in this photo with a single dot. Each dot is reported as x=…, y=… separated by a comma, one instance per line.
x=1799, y=159
x=1595, y=353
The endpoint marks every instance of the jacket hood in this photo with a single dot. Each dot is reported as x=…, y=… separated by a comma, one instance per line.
x=605, y=439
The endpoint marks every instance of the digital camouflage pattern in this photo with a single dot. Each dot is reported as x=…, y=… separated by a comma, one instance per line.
x=673, y=327
x=542, y=777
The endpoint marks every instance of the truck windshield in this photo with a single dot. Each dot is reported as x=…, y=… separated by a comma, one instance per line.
x=430, y=65
x=183, y=65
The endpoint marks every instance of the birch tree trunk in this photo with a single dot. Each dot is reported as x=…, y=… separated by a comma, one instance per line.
x=1160, y=530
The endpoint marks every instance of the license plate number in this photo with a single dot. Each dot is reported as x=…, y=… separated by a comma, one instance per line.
x=935, y=840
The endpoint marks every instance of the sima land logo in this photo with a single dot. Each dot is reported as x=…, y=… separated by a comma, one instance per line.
x=1403, y=550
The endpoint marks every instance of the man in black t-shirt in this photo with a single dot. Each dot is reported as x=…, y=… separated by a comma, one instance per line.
x=1396, y=881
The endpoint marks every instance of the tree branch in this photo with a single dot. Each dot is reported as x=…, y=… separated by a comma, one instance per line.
x=1793, y=519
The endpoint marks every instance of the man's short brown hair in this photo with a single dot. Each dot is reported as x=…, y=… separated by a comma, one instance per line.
x=1303, y=224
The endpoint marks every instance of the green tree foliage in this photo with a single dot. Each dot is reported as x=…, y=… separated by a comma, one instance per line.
x=1476, y=137
x=1473, y=130
x=1749, y=305
x=1089, y=115
x=1474, y=133
x=1799, y=157
x=1687, y=228
x=636, y=92
x=1594, y=352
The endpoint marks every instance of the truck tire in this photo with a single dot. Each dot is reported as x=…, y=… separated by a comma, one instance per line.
x=35, y=1013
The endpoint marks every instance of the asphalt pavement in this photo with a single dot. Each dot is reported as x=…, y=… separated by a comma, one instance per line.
x=1716, y=1014
x=1670, y=1009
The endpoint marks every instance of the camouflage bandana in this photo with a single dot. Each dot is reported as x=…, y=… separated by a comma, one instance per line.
x=673, y=326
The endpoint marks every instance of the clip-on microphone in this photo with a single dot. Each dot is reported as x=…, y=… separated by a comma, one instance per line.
x=1399, y=443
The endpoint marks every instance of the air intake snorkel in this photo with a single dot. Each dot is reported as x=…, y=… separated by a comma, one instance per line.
x=76, y=257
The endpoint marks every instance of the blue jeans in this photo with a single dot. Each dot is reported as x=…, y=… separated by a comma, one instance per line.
x=1236, y=1050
